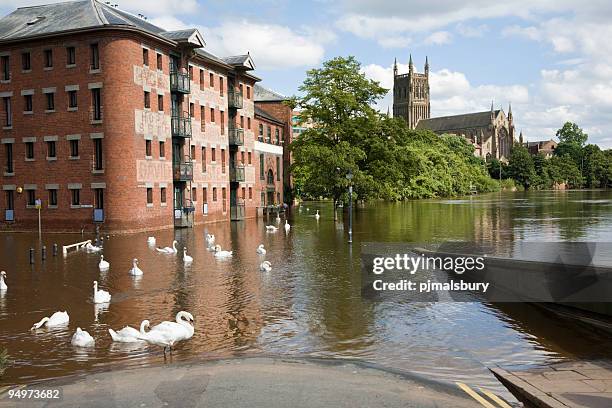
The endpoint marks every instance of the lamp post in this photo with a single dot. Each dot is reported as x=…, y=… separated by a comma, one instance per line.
x=38, y=204
x=349, y=177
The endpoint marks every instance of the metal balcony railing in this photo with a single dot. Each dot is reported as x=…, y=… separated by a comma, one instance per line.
x=181, y=126
x=235, y=99
x=180, y=82
x=182, y=171
x=236, y=136
x=237, y=211
x=237, y=174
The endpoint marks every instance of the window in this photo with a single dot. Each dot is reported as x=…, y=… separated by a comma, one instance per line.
x=214, y=193
x=194, y=194
x=8, y=119
x=212, y=115
x=99, y=198
x=242, y=121
x=159, y=63
x=242, y=157
x=250, y=193
x=222, y=160
x=277, y=136
x=278, y=169
x=97, y=154
x=249, y=157
x=70, y=56
x=222, y=122
x=145, y=57
x=202, y=118
x=192, y=151
x=201, y=79
x=95, y=56
x=260, y=138
x=203, y=158
x=268, y=134
x=29, y=150
x=72, y=99
x=8, y=150
x=191, y=109
x=221, y=86
x=160, y=103
x=74, y=148
x=48, y=57
x=263, y=198
x=211, y=80
x=224, y=198
x=147, y=99
x=10, y=200
x=249, y=123
x=50, y=101
x=213, y=154
x=149, y=195
x=27, y=102
x=204, y=195
x=96, y=99
x=162, y=149
x=26, y=61
x=148, y=148
x=31, y=198
x=6, y=67
x=52, y=197
x=75, y=196
x=162, y=194
x=51, y=153
x=190, y=72
x=248, y=93
x=261, y=167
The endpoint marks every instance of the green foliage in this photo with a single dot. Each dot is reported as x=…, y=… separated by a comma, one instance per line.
x=521, y=167
x=571, y=134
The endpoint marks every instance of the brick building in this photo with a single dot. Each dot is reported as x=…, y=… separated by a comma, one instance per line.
x=109, y=119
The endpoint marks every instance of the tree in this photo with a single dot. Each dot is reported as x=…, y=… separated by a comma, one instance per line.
x=572, y=134
x=595, y=168
x=521, y=167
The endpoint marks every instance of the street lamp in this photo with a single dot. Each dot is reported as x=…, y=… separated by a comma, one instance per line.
x=349, y=177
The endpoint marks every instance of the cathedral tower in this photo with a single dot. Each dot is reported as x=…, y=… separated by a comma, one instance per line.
x=411, y=94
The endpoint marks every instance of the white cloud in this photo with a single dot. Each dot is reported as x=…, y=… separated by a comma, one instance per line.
x=472, y=31
x=399, y=41
x=438, y=38
x=150, y=8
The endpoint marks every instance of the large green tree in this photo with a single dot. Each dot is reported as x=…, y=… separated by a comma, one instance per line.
x=521, y=167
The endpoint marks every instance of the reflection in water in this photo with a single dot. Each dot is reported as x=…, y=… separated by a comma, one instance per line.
x=310, y=303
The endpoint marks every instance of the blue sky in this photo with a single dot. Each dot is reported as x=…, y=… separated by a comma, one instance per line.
x=552, y=59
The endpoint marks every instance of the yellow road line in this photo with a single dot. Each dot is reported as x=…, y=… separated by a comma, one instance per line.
x=495, y=398
x=475, y=395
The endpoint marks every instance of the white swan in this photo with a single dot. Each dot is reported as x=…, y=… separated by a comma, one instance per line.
x=129, y=334
x=3, y=286
x=210, y=240
x=151, y=240
x=103, y=264
x=56, y=319
x=92, y=248
x=168, y=250
x=265, y=266
x=82, y=339
x=271, y=228
x=261, y=250
x=135, y=271
x=166, y=334
x=186, y=258
x=278, y=220
x=317, y=216
x=219, y=253
x=287, y=226
x=100, y=296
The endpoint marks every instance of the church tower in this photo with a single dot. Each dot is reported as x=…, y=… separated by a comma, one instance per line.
x=411, y=94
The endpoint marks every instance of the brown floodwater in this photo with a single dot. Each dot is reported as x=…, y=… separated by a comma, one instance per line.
x=310, y=303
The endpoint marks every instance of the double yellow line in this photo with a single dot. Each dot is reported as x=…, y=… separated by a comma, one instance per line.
x=484, y=402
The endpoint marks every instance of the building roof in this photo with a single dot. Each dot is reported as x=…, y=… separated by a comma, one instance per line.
x=456, y=122
x=539, y=143
x=241, y=61
x=262, y=94
x=262, y=113
x=190, y=36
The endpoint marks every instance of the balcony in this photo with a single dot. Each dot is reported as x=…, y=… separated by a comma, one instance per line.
x=234, y=99
x=237, y=212
x=182, y=171
x=236, y=136
x=181, y=126
x=180, y=82
x=236, y=174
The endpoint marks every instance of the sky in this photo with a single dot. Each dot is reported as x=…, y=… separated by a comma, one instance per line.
x=551, y=59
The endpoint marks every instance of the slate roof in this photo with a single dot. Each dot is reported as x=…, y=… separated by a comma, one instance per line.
x=262, y=94
x=266, y=115
x=456, y=122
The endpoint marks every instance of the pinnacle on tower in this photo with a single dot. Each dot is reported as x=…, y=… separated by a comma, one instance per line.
x=395, y=67
x=426, y=64
x=410, y=64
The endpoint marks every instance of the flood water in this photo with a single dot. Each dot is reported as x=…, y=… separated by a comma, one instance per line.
x=310, y=303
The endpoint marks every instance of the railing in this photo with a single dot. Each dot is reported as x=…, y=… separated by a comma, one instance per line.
x=180, y=82
x=236, y=136
x=237, y=211
x=237, y=174
x=96, y=114
x=234, y=99
x=182, y=171
x=181, y=126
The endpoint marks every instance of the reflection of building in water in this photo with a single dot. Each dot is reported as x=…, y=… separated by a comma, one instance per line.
x=494, y=228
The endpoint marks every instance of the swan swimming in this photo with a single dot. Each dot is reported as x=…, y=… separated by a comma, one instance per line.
x=129, y=334
x=265, y=266
x=278, y=220
x=261, y=250
x=92, y=248
x=56, y=319
x=103, y=264
x=151, y=240
x=168, y=250
x=166, y=334
x=82, y=339
x=317, y=216
x=219, y=253
x=210, y=240
x=100, y=296
x=3, y=286
x=271, y=228
x=135, y=271
x=287, y=226
x=186, y=258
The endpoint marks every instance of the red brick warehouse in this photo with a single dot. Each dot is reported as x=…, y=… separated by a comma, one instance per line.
x=109, y=119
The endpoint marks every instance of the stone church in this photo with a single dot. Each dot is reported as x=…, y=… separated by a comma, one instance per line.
x=491, y=132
